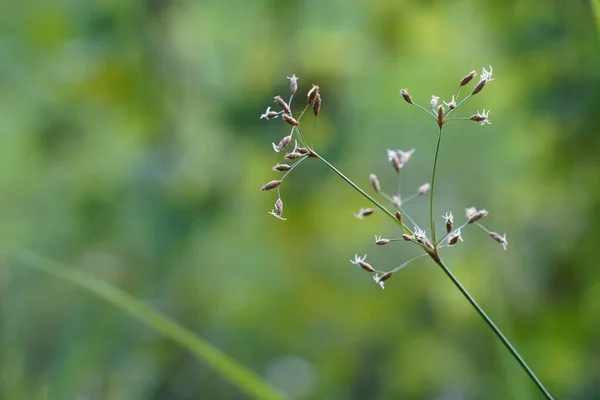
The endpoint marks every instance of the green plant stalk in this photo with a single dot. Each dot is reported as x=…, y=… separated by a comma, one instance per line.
x=494, y=328
x=362, y=192
x=596, y=13
x=435, y=256
x=435, y=159
x=239, y=375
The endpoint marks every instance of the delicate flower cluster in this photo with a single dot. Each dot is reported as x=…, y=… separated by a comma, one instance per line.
x=299, y=153
x=430, y=246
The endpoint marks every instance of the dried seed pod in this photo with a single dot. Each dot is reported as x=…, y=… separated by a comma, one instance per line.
x=440, y=116
x=479, y=87
x=293, y=155
x=476, y=216
x=283, y=105
x=312, y=94
x=381, y=241
x=467, y=78
x=281, y=167
x=393, y=157
x=293, y=83
x=271, y=185
x=278, y=211
x=406, y=96
x=381, y=279
x=290, y=120
x=317, y=105
x=500, y=239
x=424, y=188
x=284, y=142
x=364, y=212
x=449, y=219
x=360, y=261
x=454, y=238
x=375, y=183
x=269, y=114
x=398, y=216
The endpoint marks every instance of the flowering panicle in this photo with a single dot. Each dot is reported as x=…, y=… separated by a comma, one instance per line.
x=440, y=111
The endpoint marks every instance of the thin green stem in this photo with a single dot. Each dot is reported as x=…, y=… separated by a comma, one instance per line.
x=362, y=192
x=494, y=328
x=424, y=109
x=240, y=376
x=435, y=162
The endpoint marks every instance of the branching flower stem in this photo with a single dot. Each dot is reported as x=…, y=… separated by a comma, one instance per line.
x=437, y=259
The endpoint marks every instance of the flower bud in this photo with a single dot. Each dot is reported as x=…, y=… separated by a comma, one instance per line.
x=293, y=155
x=424, y=188
x=500, y=239
x=364, y=212
x=284, y=142
x=281, y=167
x=312, y=94
x=393, y=157
x=293, y=83
x=406, y=96
x=271, y=185
x=467, y=78
x=381, y=241
x=283, y=105
x=479, y=87
x=278, y=211
x=290, y=120
x=398, y=216
x=440, y=116
x=475, y=215
x=454, y=238
x=375, y=183
x=317, y=105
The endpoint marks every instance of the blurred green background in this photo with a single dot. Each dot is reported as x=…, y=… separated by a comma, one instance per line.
x=131, y=148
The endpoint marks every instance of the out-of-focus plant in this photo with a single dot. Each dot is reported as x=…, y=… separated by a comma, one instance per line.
x=432, y=245
x=240, y=376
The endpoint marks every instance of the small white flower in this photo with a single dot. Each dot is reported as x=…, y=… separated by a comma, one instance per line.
x=391, y=154
x=448, y=217
x=452, y=104
x=405, y=155
x=377, y=279
x=274, y=213
x=486, y=75
x=419, y=235
x=434, y=101
x=357, y=259
x=482, y=117
x=364, y=212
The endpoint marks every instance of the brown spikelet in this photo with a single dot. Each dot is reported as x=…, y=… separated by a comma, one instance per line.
x=271, y=185
x=479, y=87
x=440, y=116
x=290, y=120
x=281, y=167
x=477, y=216
x=282, y=104
x=317, y=105
x=467, y=78
x=407, y=237
x=385, y=276
x=312, y=94
x=293, y=155
x=406, y=96
x=398, y=216
x=375, y=183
